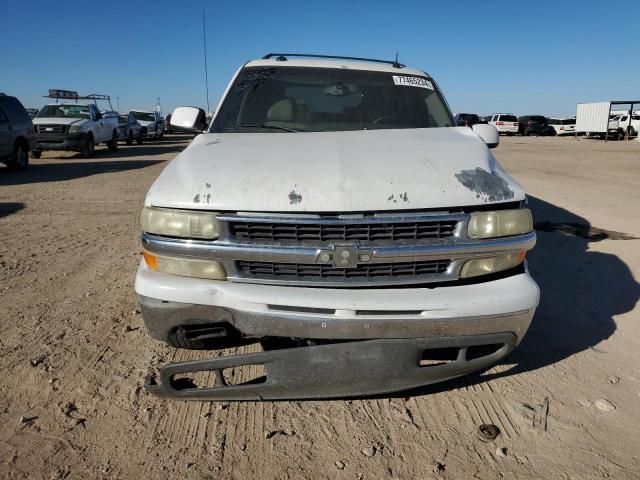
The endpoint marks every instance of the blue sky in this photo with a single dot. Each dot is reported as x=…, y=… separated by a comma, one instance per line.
x=486, y=56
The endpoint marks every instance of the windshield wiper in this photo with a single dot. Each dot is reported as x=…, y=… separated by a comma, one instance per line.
x=265, y=126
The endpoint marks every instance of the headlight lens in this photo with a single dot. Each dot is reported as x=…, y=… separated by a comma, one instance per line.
x=180, y=223
x=502, y=223
x=185, y=267
x=484, y=266
x=75, y=129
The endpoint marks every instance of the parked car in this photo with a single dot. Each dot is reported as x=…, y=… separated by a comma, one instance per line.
x=75, y=126
x=16, y=133
x=152, y=121
x=563, y=126
x=506, y=123
x=333, y=212
x=623, y=122
x=467, y=119
x=533, y=125
x=129, y=129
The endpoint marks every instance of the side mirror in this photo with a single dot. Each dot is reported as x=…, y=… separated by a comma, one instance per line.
x=98, y=116
x=188, y=119
x=488, y=133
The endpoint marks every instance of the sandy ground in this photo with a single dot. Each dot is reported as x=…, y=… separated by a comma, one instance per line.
x=73, y=349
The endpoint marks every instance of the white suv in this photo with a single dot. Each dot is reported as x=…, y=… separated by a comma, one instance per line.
x=563, y=126
x=506, y=123
x=334, y=213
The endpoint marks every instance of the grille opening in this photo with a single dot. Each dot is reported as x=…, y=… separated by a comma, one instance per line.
x=245, y=375
x=287, y=308
x=388, y=312
x=197, y=380
x=271, y=270
x=432, y=357
x=478, y=351
x=372, y=232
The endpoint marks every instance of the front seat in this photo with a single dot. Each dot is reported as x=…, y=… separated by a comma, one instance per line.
x=282, y=111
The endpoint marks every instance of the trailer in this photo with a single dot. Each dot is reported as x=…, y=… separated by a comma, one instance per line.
x=595, y=119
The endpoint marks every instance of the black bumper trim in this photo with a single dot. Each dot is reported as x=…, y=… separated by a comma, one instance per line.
x=69, y=141
x=338, y=370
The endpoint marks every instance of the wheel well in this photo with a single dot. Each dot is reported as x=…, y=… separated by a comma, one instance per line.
x=21, y=141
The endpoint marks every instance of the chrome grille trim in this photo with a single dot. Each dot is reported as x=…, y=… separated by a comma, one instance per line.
x=378, y=228
x=54, y=129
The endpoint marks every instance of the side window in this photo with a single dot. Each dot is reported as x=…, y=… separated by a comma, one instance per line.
x=624, y=119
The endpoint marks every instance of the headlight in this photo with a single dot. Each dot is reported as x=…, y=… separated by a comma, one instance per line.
x=75, y=129
x=484, y=266
x=180, y=223
x=185, y=267
x=502, y=223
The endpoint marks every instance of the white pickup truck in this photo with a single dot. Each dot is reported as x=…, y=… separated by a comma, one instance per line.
x=152, y=122
x=622, y=123
x=74, y=124
x=334, y=213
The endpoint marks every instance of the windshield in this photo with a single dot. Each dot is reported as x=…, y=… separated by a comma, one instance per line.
x=270, y=99
x=508, y=118
x=64, y=111
x=145, y=116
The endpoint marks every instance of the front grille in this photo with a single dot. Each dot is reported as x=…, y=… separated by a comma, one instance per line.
x=371, y=232
x=320, y=272
x=52, y=129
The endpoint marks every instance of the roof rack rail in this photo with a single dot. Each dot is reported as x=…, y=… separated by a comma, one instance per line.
x=59, y=94
x=72, y=95
x=282, y=57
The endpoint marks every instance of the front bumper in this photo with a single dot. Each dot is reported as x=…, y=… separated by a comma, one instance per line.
x=71, y=141
x=504, y=305
x=348, y=369
x=381, y=333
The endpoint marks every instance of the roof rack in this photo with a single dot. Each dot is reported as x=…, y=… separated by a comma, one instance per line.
x=282, y=57
x=73, y=95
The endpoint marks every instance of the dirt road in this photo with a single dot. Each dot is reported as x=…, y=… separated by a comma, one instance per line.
x=74, y=352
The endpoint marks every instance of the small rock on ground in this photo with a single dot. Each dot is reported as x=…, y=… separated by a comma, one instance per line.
x=605, y=405
x=369, y=452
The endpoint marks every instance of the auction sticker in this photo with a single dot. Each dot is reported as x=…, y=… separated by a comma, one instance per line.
x=412, y=82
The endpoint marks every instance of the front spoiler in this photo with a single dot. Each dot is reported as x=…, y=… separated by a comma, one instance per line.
x=347, y=369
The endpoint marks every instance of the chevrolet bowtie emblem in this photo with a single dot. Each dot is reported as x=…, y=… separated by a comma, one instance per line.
x=344, y=256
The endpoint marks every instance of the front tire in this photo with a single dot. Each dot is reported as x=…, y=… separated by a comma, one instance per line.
x=89, y=148
x=113, y=144
x=19, y=157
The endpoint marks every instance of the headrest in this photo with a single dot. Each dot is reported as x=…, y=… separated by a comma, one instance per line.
x=282, y=111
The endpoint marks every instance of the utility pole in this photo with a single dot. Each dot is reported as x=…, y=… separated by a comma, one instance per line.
x=206, y=72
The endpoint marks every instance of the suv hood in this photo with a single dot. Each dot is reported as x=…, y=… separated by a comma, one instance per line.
x=334, y=172
x=59, y=121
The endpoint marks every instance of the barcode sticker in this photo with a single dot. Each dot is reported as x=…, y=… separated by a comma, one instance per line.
x=412, y=82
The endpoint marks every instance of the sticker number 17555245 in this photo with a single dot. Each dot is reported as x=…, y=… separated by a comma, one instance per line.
x=412, y=82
